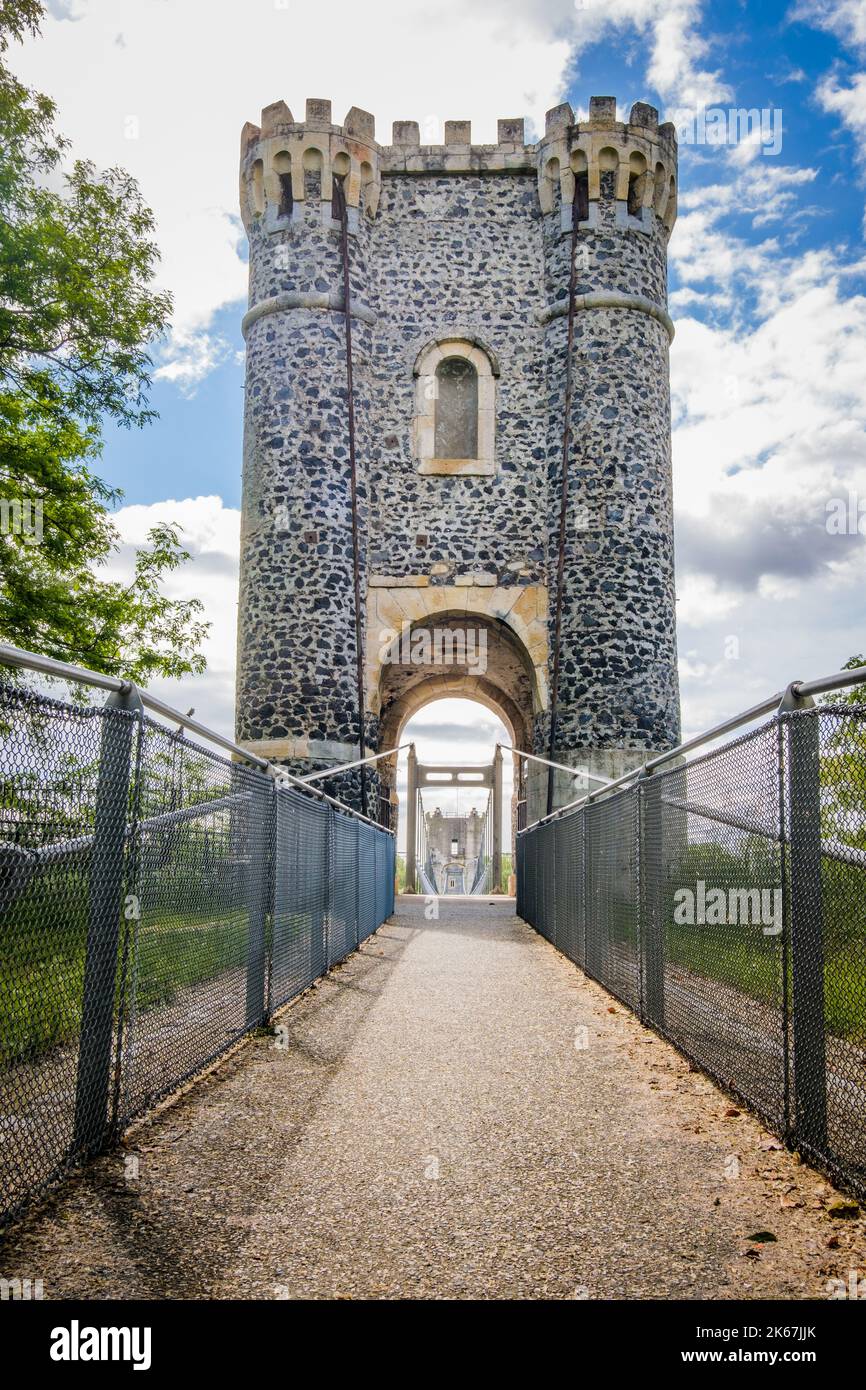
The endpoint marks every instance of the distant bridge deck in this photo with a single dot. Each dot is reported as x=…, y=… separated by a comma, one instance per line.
x=430, y=1125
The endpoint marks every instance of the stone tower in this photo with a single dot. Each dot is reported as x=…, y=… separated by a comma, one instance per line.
x=512, y=485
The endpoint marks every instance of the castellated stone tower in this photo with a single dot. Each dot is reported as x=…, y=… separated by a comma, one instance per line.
x=464, y=357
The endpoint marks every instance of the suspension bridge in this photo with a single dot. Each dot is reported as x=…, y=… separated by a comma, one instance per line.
x=444, y=1093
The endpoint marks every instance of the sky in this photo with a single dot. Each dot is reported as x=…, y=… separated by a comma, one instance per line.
x=455, y=731
x=767, y=265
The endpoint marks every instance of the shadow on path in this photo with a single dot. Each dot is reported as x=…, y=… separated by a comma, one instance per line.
x=454, y=1112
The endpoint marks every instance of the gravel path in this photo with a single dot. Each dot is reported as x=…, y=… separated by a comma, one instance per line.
x=453, y=1113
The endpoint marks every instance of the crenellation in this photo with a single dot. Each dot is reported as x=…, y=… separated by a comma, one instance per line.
x=276, y=119
x=510, y=131
x=558, y=118
x=458, y=133
x=317, y=114
x=250, y=135
x=602, y=111
x=361, y=124
x=640, y=155
x=406, y=133
x=644, y=115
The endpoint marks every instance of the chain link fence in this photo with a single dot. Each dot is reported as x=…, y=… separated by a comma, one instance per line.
x=724, y=901
x=157, y=902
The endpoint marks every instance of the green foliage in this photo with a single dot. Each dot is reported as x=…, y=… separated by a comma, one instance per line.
x=843, y=769
x=507, y=870
x=856, y=694
x=78, y=316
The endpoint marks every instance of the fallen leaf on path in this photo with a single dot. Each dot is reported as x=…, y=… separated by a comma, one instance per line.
x=844, y=1209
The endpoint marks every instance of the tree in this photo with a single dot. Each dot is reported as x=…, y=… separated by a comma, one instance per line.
x=855, y=694
x=843, y=766
x=78, y=317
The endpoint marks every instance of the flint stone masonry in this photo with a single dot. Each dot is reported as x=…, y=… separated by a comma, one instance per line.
x=466, y=245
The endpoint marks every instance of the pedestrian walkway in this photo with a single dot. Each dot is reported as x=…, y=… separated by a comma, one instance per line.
x=454, y=1112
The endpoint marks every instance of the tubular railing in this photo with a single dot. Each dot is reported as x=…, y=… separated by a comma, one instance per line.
x=158, y=901
x=723, y=899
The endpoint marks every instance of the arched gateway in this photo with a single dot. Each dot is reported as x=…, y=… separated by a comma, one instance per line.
x=463, y=487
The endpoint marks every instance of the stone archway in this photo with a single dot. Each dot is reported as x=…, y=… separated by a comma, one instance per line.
x=460, y=654
x=513, y=674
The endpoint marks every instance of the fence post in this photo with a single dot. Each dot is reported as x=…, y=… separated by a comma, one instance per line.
x=103, y=931
x=496, y=793
x=329, y=888
x=651, y=897
x=582, y=928
x=588, y=890
x=807, y=925
x=260, y=856
x=358, y=827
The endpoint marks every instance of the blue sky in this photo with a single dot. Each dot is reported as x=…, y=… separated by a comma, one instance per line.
x=767, y=271
x=770, y=60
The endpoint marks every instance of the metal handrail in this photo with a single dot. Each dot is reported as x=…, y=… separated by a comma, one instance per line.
x=797, y=693
x=62, y=670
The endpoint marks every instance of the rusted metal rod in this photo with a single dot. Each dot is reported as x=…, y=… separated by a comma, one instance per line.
x=563, y=500
x=340, y=190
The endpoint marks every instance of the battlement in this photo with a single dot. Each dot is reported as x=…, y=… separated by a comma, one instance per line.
x=278, y=155
x=639, y=155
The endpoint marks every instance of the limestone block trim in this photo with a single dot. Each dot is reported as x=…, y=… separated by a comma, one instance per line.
x=302, y=748
x=625, y=221
x=522, y=608
x=276, y=154
x=611, y=299
x=639, y=149
x=280, y=150
x=310, y=299
x=506, y=158
x=426, y=395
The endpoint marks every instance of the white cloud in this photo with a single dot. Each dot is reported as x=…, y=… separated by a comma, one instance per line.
x=678, y=50
x=210, y=531
x=769, y=409
x=701, y=600
x=189, y=357
x=844, y=18
x=843, y=98
x=169, y=101
x=163, y=89
x=848, y=103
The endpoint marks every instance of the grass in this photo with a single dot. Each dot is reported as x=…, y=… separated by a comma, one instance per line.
x=752, y=964
x=43, y=940
x=742, y=957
